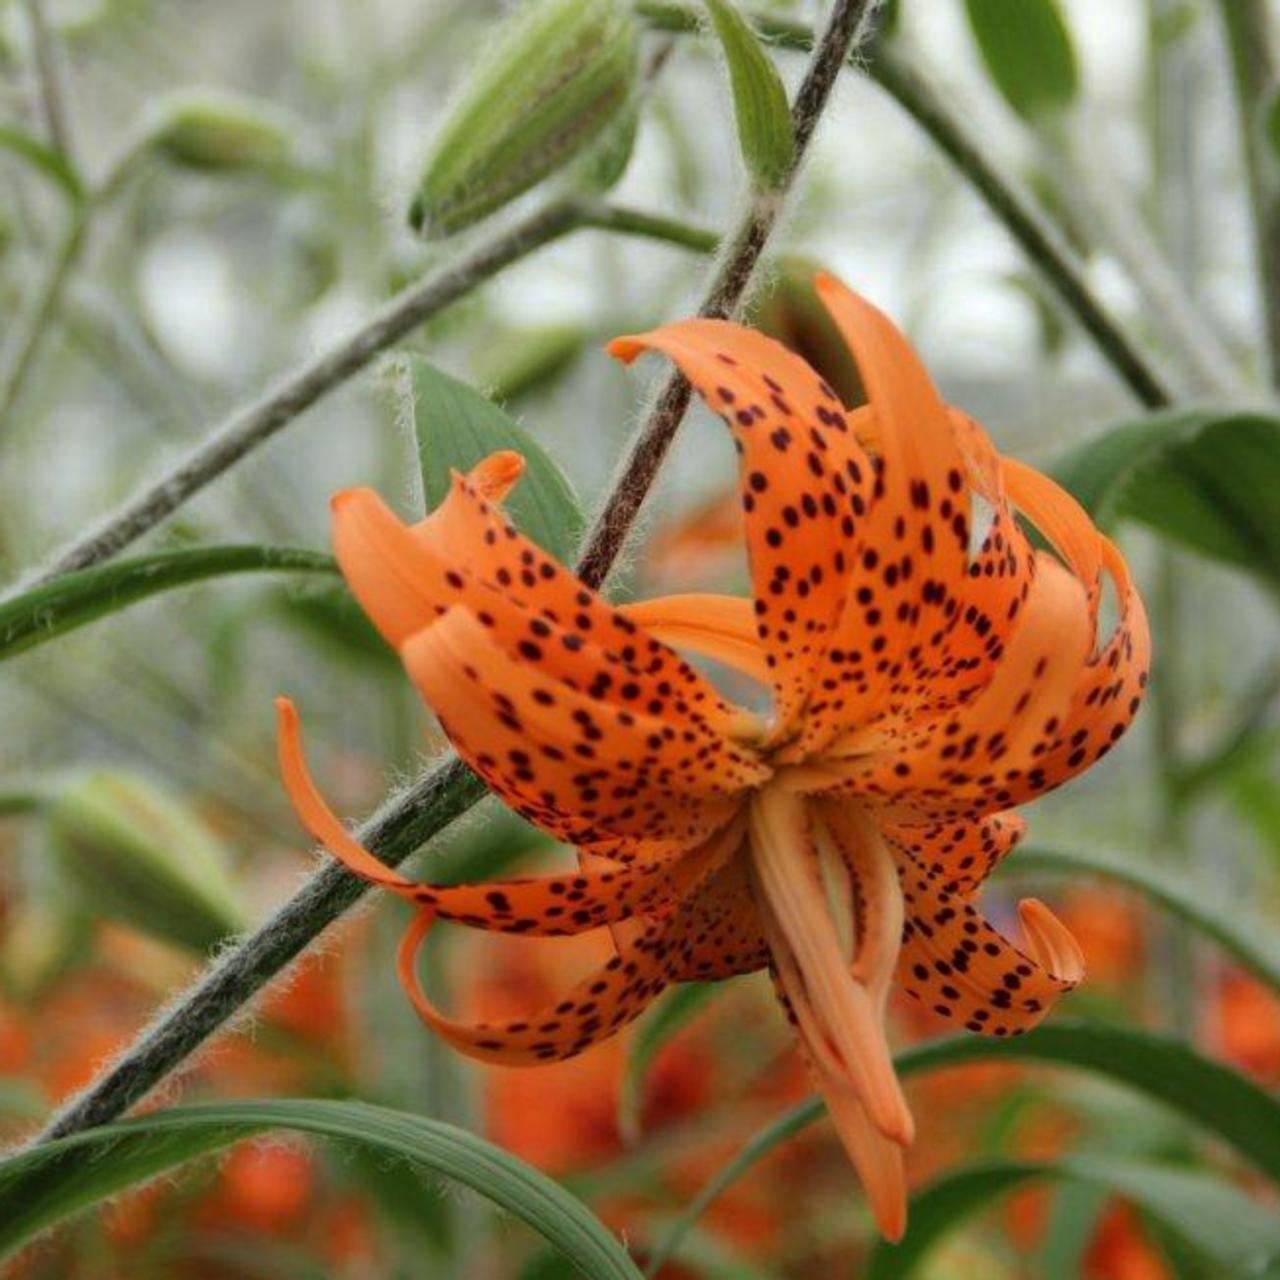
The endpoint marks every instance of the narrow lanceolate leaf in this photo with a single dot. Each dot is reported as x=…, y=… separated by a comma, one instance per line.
x=1231, y=1234
x=75, y=599
x=51, y=163
x=1209, y=479
x=46, y=1184
x=759, y=99
x=558, y=73
x=455, y=426
x=133, y=852
x=1237, y=930
x=1028, y=52
x=1221, y=1101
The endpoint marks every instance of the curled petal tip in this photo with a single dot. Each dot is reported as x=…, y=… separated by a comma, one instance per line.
x=494, y=476
x=1051, y=943
x=625, y=348
x=286, y=712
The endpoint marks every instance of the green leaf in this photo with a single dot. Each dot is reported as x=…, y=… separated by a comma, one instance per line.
x=1027, y=49
x=673, y=1013
x=45, y=1184
x=1209, y=479
x=73, y=600
x=1222, y=1101
x=759, y=98
x=133, y=852
x=455, y=427
x=1235, y=928
x=1238, y=1236
x=50, y=162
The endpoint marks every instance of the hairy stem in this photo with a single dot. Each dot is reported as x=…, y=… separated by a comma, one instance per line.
x=448, y=789
x=255, y=423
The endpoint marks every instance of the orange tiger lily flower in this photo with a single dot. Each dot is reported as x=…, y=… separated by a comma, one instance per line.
x=924, y=680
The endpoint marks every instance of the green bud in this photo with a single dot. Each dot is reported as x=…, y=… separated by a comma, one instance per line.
x=218, y=132
x=789, y=309
x=559, y=73
x=134, y=853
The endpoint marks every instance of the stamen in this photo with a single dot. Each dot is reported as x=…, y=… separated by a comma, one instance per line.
x=784, y=870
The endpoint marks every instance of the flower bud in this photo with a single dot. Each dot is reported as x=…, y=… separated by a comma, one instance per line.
x=218, y=133
x=559, y=73
x=789, y=310
x=134, y=853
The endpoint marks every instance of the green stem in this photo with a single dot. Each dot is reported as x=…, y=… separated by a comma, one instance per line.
x=18, y=357
x=651, y=226
x=1248, y=30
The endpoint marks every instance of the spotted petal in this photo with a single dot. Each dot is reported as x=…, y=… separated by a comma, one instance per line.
x=806, y=485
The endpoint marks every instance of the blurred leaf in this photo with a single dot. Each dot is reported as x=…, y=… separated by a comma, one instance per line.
x=73, y=600
x=1236, y=1234
x=53, y=164
x=135, y=853
x=674, y=1012
x=42, y=939
x=1027, y=49
x=45, y=1184
x=1209, y=479
x=759, y=98
x=333, y=617
x=1168, y=1071
x=556, y=75
x=602, y=167
x=1234, y=927
x=455, y=427
x=525, y=360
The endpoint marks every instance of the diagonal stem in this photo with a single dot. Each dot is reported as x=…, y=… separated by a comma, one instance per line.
x=404, y=822
x=1037, y=236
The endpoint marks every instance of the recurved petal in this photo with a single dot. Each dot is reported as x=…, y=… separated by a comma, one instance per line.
x=546, y=906
x=1110, y=690
x=989, y=753
x=916, y=537
x=806, y=484
x=529, y=604
x=963, y=854
x=1062, y=520
x=582, y=769
x=595, y=1009
x=958, y=964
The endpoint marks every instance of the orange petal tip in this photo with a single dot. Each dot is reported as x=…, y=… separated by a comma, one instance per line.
x=494, y=476
x=1052, y=944
x=626, y=348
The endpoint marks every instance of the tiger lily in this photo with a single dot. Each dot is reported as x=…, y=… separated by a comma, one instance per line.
x=925, y=676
